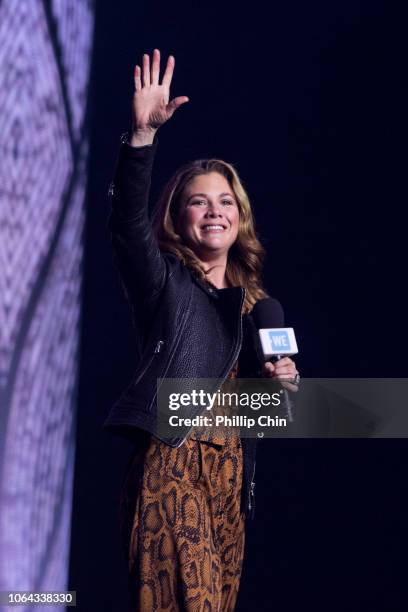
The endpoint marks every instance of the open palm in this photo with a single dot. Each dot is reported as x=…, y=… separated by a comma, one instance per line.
x=151, y=106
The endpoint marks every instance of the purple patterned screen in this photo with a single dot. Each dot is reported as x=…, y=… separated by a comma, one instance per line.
x=45, y=53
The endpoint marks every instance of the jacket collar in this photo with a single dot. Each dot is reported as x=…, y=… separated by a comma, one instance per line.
x=214, y=292
x=211, y=291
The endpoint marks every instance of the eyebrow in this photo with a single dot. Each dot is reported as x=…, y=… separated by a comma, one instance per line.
x=205, y=195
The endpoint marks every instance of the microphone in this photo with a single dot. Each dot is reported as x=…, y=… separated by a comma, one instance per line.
x=274, y=341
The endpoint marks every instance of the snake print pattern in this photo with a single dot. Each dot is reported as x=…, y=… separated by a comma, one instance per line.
x=183, y=526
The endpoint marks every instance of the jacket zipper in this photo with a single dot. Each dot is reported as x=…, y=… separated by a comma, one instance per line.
x=182, y=325
x=158, y=346
x=236, y=353
x=157, y=349
x=251, y=494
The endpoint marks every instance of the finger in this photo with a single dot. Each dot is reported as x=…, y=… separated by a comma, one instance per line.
x=268, y=369
x=285, y=366
x=156, y=67
x=138, y=81
x=285, y=372
x=268, y=374
x=146, y=70
x=168, y=74
x=285, y=361
x=176, y=102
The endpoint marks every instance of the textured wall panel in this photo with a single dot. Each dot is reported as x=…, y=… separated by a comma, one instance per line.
x=45, y=52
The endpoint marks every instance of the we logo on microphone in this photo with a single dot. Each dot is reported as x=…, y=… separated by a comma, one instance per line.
x=280, y=341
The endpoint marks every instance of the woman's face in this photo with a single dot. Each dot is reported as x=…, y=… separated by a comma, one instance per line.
x=208, y=215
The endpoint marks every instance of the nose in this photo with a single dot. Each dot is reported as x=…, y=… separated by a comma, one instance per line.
x=214, y=210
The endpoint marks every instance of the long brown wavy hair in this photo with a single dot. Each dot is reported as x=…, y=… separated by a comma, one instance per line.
x=245, y=256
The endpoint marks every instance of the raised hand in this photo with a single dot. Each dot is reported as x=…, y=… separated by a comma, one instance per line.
x=151, y=107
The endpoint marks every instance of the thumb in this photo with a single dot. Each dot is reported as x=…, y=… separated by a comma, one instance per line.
x=268, y=368
x=176, y=102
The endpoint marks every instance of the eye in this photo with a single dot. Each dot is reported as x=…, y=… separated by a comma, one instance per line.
x=199, y=202
x=230, y=202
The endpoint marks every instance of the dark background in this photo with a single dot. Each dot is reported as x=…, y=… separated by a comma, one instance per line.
x=305, y=98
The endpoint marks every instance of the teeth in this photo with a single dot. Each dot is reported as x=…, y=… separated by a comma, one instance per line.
x=210, y=227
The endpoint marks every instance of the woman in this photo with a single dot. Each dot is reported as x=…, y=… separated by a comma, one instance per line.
x=192, y=279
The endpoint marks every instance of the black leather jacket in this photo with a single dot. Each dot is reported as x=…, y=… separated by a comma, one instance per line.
x=185, y=327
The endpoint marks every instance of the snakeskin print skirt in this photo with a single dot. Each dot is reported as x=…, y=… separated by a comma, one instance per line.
x=183, y=530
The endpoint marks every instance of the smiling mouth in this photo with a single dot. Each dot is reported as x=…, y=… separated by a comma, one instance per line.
x=213, y=228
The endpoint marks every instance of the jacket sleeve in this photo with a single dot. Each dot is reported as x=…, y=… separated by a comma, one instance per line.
x=137, y=256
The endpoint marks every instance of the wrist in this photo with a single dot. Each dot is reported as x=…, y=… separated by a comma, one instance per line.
x=141, y=137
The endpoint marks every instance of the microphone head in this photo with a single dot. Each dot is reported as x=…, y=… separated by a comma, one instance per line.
x=268, y=314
